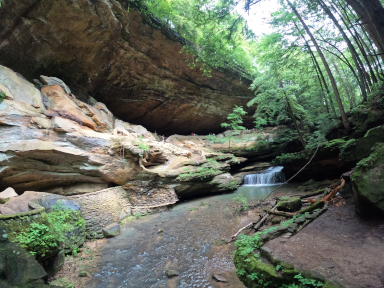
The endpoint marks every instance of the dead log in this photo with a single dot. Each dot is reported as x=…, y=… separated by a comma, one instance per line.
x=315, y=206
x=312, y=193
x=333, y=192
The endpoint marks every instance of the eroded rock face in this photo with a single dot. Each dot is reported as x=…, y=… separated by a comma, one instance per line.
x=60, y=148
x=100, y=49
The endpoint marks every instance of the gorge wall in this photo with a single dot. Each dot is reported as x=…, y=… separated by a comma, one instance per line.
x=99, y=48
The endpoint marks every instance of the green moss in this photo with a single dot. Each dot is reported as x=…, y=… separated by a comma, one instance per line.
x=23, y=214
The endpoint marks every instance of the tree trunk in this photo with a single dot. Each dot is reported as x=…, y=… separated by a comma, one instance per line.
x=344, y=84
x=352, y=49
x=349, y=87
x=330, y=75
x=371, y=14
x=318, y=72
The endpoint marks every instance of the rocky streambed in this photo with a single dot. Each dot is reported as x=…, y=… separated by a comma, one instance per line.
x=190, y=239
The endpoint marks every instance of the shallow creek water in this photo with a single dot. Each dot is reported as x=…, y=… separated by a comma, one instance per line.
x=139, y=256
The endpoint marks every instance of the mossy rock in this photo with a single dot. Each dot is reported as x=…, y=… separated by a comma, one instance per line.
x=368, y=180
x=301, y=188
x=313, y=186
x=289, y=205
x=250, y=265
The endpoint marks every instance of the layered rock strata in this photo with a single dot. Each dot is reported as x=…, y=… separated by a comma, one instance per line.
x=99, y=48
x=53, y=142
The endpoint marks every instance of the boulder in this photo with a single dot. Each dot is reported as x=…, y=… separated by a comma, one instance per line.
x=111, y=230
x=55, y=81
x=53, y=263
x=58, y=101
x=290, y=204
x=65, y=125
x=171, y=273
x=219, y=278
x=21, y=268
x=6, y=210
x=102, y=117
x=368, y=182
x=8, y=193
x=20, y=89
x=21, y=204
x=301, y=188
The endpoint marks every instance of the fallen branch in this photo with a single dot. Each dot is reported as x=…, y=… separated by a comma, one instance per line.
x=280, y=213
x=333, y=192
x=309, y=201
x=312, y=193
x=258, y=222
x=264, y=218
x=290, y=214
x=238, y=232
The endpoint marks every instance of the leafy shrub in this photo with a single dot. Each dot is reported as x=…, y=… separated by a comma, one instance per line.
x=242, y=201
x=49, y=232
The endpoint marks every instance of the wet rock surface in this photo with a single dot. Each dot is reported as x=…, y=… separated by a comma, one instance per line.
x=111, y=230
x=194, y=241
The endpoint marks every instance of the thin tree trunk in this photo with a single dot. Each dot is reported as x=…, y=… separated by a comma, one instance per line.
x=318, y=72
x=344, y=84
x=291, y=112
x=371, y=14
x=349, y=87
x=330, y=75
x=352, y=49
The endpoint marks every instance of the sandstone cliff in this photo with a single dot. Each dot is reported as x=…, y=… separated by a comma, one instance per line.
x=100, y=49
x=52, y=142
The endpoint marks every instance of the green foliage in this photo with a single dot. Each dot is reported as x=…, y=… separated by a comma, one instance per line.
x=38, y=239
x=138, y=215
x=46, y=235
x=217, y=36
x=208, y=169
x=191, y=209
x=230, y=186
x=289, y=157
x=242, y=201
x=341, y=144
x=235, y=119
x=215, y=139
x=2, y=94
x=141, y=144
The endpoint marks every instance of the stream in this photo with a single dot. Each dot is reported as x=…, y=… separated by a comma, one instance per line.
x=190, y=244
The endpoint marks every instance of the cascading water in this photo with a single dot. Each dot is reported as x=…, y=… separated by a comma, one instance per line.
x=272, y=175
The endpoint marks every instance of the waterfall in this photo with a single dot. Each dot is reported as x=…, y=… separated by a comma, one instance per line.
x=272, y=175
